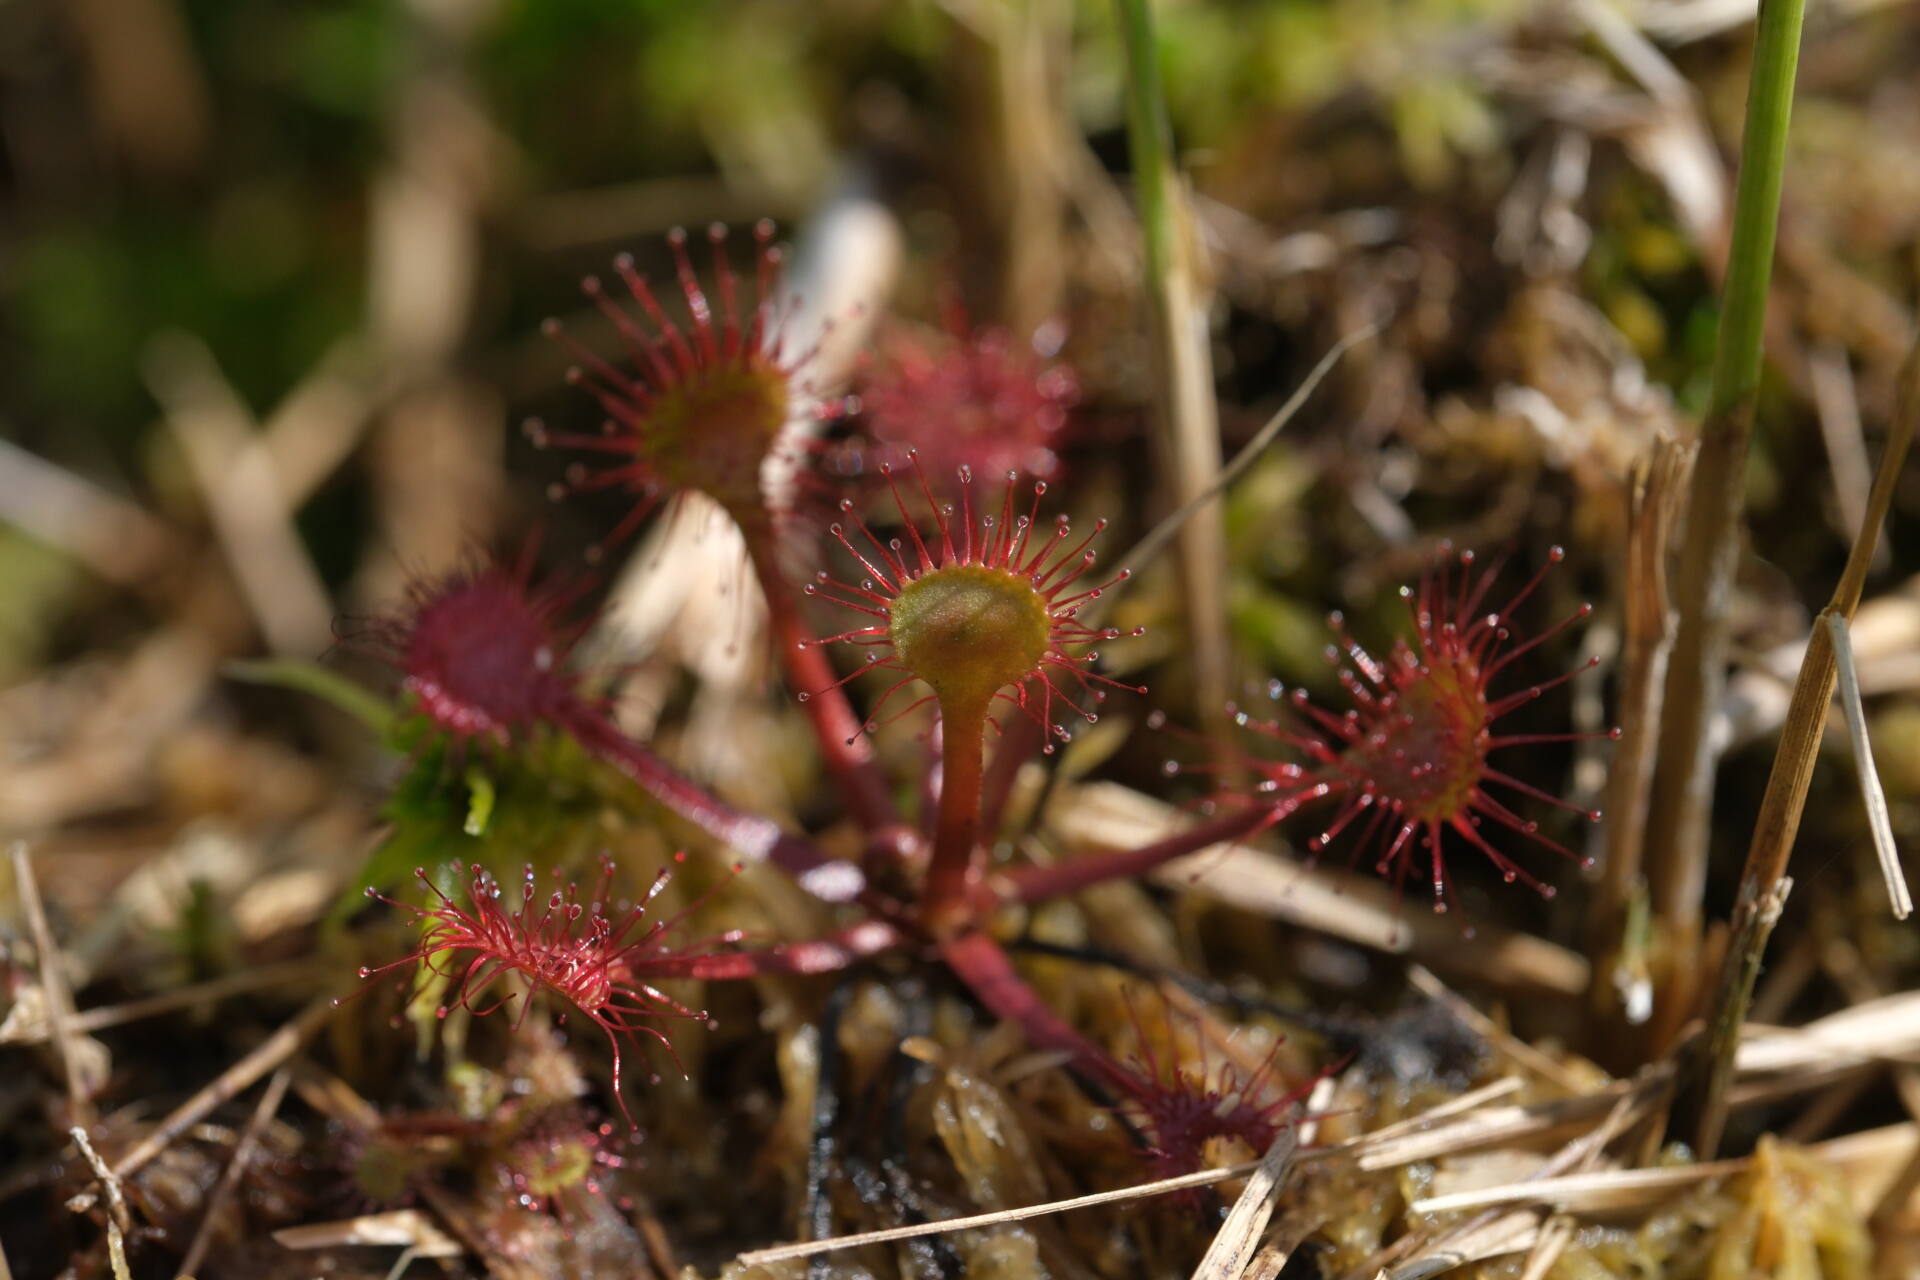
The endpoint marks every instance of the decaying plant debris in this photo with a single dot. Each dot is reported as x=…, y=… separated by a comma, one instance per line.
x=1126, y=1007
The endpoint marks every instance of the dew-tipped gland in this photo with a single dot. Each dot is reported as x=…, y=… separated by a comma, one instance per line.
x=706, y=402
x=974, y=398
x=985, y=609
x=600, y=956
x=1409, y=759
x=555, y=1160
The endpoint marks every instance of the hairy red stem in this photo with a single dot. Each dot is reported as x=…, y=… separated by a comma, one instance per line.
x=1018, y=743
x=989, y=973
x=946, y=903
x=755, y=838
x=818, y=955
x=843, y=747
x=981, y=963
x=1037, y=884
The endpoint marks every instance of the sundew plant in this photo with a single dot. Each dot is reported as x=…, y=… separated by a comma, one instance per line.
x=897, y=641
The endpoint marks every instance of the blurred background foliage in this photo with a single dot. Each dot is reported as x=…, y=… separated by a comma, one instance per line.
x=399, y=192
x=379, y=202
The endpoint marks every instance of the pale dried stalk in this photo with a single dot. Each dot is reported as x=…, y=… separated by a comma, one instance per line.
x=1303, y=1219
x=1843, y=963
x=1187, y=430
x=1830, y=378
x=1639, y=1189
x=1764, y=883
x=1233, y=1245
x=114, y=1015
x=111, y=536
x=1658, y=485
x=1143, y=552
x=1205, y=1177
x=119, y=1221
x=1553, y=1240
x=269, y=1105
x=235, y=474
x=1492, y=1232
x=1518, y=1051
x=271, y=1053
x=886, y=1235
x=1696, y=676
x=1007, y=80
x=1898, y=897
x=1469, y=1101
x=435, y=453
x=1344, y=904
x=1886, y=1029
x=58, y=999
x=1496, y=1235
x=408, y=1227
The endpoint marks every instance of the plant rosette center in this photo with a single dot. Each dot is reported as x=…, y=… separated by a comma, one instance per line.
x=481, y=660
x=1431, y=754
x=969, y=631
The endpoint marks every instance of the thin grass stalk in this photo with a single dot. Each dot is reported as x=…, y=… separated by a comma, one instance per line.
x=1696, y=676
x=1658, y=484
x=1187, y=435
x=1764, y=884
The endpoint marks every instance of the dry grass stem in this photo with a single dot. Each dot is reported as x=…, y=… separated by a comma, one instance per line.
x=1682, y=797
x=110, y=535
x=1205, y=1177
x=1143, y=553
x=1830, y=378
x=59, y=1001
x=88, y=1021
x=235, y=474
x=1763, y=882
x=1344, y=904
x=1899, y=899
x=263, y=1113
x=1492, y=1233
x=1187, y=425
x=270, y=1054
x=809, y=1248
x=1658, y=485
x=1552, y=1241
x=1472, y=1100
x=1497, y=1236
x=1521, y=1053
x=119, y=1221
x=1233, y=1245
x=1887, y=1029
x=1493, y=1126
x=406, y=1227
x=315, y=429
x=1868, y=1159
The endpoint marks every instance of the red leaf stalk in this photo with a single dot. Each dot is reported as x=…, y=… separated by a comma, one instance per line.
x=483, y=652
x=982, y=611
x=717, y=404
